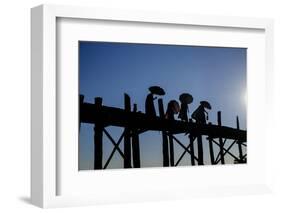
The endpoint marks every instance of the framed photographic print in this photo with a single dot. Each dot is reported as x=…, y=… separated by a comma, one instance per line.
x=146, y=105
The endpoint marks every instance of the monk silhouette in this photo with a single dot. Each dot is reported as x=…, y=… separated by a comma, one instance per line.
x=185, y=99
x=200, y=114
x=149, y=102
x=149, y=105
x=172, y=109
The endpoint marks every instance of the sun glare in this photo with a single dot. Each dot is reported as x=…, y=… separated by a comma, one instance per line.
x=245, y=98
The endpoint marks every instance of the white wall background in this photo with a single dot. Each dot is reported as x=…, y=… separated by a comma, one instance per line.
x=15, y=104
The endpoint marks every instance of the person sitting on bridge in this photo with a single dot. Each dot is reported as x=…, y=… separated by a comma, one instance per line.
x=172, y=109
x=200, y=114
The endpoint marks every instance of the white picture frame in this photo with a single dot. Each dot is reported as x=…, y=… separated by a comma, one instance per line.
x=45, y=172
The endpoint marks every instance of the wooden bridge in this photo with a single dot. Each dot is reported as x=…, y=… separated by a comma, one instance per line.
x=136, y=123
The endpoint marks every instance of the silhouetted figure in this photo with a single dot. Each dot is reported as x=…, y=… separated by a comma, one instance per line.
x=200, y=114
x=185, y=99
x=149, y=105
x=149, y=102
x=172, y=109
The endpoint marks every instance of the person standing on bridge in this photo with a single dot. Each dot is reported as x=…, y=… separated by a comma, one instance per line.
x=149, y=102
x=200, y=114
x=185, y=99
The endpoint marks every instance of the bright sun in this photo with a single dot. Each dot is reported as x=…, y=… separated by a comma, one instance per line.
x=245, y=98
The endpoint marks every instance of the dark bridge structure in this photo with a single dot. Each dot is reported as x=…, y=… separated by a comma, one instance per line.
x=136, y=123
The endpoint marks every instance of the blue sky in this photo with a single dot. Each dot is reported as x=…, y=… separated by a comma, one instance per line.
x=109, y=70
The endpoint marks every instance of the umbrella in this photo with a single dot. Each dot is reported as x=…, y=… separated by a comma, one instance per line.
x=186, y=98
x=157, y=90
x=206, y=104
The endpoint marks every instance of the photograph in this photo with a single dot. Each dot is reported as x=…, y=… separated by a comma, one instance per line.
x=145, y=105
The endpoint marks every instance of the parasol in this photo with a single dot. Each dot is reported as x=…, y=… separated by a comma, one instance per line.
x=186, y=98
x=156, y=90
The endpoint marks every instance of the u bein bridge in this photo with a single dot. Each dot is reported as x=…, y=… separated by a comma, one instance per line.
x=136, y=123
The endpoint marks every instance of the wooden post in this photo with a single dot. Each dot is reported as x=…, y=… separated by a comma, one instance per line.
x=211, y=149
x=200, y=150
x=136, y=150
x=191, y=141
x=127, y=137
x=239, y=142
x=136, y=145
x=81, y=100
x=171, y=143
x=164, y=136
x=98, y=137
x=220, y=139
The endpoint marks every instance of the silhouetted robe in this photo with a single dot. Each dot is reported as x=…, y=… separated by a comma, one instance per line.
x=183, y=112
x=149, y=105
x=199, y=115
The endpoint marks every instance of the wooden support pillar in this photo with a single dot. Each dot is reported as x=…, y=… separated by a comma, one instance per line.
x=211, y=149
x=200, y=150
x=98, y=137
x=127, y=135
x=191, y=141
x=239, y=142
x=165, y=148
x=171, y=146
x=136, y=150
x=220, y=140
x=136, y=145
x=81, y=100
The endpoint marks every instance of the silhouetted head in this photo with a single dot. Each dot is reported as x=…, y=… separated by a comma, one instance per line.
x=206, y=104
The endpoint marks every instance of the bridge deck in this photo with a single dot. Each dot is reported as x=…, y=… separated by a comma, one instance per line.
x=111, y=116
